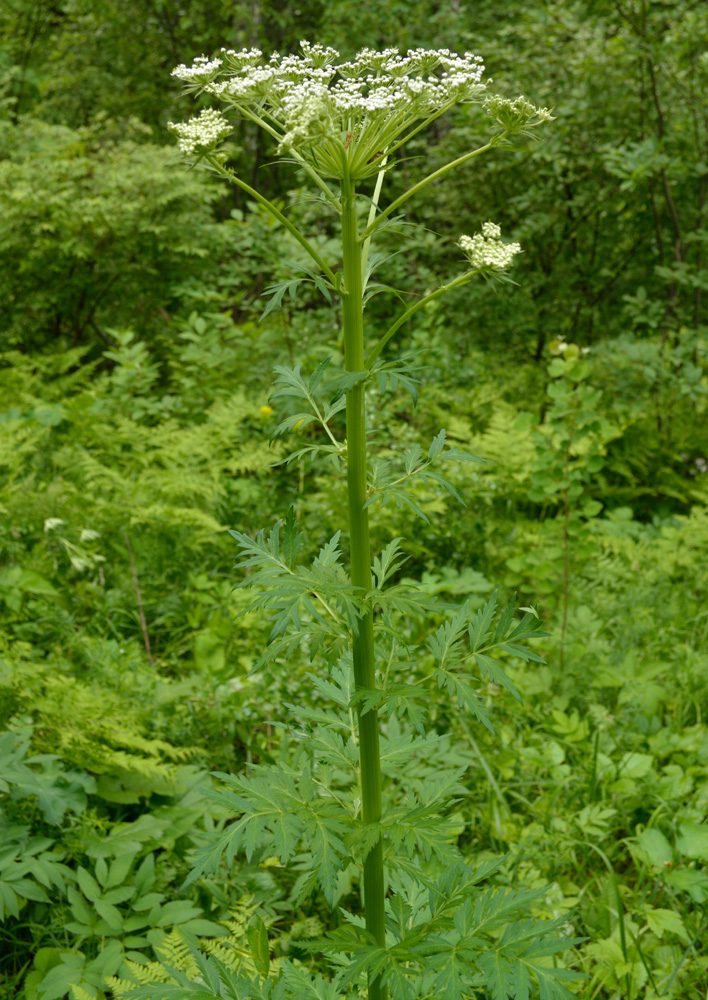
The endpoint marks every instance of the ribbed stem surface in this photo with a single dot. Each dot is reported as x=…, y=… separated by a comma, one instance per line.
x=363, y=643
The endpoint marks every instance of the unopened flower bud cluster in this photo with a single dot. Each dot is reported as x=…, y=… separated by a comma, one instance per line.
x=514, y=117
x=486, y=252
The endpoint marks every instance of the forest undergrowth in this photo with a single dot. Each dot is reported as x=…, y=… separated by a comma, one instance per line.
x=137, y=427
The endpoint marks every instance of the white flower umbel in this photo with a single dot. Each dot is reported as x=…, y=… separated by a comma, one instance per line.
x=203, y=133
x=200, y=72
x=339, y=118
x=486, y=252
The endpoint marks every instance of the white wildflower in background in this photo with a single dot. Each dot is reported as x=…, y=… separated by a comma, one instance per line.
x=51, y=523
x=203, y=133
x=486, y=252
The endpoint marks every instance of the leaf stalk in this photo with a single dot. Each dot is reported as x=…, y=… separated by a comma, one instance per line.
x=374, y=353
x=276, y=213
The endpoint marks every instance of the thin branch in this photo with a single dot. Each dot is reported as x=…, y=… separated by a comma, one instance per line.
x=372, y=213
x=310, y=171
x=276, y=213
x=436, y=175
x=139, y=597
x=419, y=128
x=460, y=280
x=664, y=179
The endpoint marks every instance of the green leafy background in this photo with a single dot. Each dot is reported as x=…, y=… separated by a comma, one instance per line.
x=137, y=428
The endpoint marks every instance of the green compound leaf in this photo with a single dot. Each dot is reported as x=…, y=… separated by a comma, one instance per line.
x=277, y=293
x=292, y=539
x=470, y=638
x=290, y=384
x=317, y=375
x=279, y=811
x=388, y=483
x=301, y=985
x=389, y=562
x=416, y=825
x=297, y=596
x=278, y=289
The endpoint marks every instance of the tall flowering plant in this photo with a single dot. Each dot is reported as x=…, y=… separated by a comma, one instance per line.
x=362, y=798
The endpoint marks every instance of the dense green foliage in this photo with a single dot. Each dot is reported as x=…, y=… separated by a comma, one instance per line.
x=135, y=429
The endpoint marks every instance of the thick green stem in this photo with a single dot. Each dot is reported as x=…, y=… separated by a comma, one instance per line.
x=363, y=642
